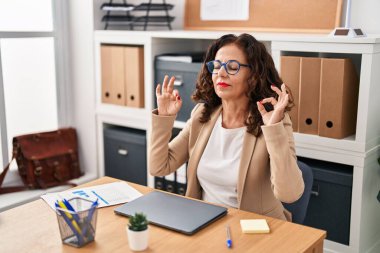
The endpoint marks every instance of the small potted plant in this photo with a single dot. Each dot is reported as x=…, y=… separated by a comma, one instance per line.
x=137, y=232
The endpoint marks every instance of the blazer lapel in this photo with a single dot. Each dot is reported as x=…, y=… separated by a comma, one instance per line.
x=246, y=157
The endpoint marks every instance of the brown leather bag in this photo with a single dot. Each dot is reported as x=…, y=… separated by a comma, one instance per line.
x=44, y=159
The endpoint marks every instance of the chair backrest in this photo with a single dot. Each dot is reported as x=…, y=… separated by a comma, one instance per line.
x=299, y=208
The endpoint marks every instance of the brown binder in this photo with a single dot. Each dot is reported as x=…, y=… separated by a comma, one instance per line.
x=338, y=98
x=134, y=76
x=112, y=65
x=308, y=112
x=290, y=74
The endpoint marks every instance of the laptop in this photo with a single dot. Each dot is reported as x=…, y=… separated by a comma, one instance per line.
x=174, y=212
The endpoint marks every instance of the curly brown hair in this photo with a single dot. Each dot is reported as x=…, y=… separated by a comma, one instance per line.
x=263, y=75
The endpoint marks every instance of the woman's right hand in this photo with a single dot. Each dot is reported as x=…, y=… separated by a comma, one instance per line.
x=168, y=100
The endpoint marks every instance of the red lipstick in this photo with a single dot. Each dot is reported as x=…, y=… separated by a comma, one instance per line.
x=223, y=84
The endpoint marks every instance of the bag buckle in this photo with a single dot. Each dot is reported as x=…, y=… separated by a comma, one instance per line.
x=38, y=171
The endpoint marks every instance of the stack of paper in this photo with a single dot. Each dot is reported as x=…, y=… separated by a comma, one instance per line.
x=107, y=194
x=254, y=226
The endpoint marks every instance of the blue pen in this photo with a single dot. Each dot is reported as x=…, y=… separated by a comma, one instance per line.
x=68, y=221
x=229, y=241
x=87, y=223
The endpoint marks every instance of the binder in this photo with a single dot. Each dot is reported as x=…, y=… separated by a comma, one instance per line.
x=170, y=183
x=308, y=111
x=112, y=69
x=290, y=74
x=338, y=98
x=134, y=76
x=181, y=180
x=159, y=183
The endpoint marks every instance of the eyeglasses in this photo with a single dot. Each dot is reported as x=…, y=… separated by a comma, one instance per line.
x=232, y=67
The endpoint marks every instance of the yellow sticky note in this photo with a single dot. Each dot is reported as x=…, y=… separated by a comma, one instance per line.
x=254, y=226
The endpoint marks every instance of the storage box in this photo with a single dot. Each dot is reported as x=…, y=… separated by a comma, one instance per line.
x=125, y=154
x=186, y=77
x=330, y=202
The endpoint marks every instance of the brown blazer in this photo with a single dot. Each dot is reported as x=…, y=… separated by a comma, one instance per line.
x=268, y=173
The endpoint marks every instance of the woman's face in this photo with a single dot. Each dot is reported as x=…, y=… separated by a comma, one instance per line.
x=227, y=86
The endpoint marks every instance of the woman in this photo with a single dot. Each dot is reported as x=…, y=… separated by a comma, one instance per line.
x=239, y=141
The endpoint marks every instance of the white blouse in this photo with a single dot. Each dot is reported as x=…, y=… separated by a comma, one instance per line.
x=218, y=168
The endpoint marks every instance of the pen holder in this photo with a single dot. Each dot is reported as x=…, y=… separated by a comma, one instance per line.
x=77, y=227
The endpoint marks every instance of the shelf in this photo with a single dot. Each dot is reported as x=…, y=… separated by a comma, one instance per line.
x=118, y=18
x=117, y=7
x=123, y=116
x=153, y=7
x=123, y=18
x=318, y=142
x=153, y=19
x=131, y=7
x=261, y=36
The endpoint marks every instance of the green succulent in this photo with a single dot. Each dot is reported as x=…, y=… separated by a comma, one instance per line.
x=138, y=222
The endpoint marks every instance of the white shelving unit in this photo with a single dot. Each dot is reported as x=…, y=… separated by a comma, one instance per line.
x=360, y=150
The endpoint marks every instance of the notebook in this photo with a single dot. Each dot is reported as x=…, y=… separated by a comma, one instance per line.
x=173, y=212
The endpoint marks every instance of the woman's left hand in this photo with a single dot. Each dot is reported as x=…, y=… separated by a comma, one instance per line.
x=279, y=106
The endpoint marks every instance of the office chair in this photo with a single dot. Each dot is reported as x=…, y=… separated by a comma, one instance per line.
x=299, y=208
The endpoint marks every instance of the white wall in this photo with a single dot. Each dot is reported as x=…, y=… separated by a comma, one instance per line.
x=84, y=17
x=82, y=79
x=365, y=14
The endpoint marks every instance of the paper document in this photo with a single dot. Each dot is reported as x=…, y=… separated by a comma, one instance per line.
x=108, y=194
x=224, y=10
x=187, y=59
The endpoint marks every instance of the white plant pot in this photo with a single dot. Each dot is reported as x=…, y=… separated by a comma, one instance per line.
x=137, y=240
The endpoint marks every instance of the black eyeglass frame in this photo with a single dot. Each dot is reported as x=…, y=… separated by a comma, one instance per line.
x=225, y=66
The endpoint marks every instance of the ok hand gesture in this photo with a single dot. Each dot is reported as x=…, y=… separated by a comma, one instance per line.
x=168, y=100
x=279, y=106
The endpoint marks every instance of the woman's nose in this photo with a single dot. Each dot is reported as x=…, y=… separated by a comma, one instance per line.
x=222, y=71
